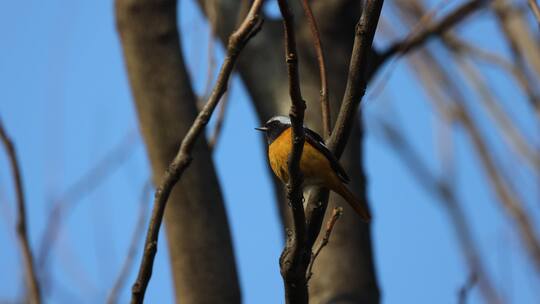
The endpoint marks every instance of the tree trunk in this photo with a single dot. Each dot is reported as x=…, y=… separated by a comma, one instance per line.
x=202, y=258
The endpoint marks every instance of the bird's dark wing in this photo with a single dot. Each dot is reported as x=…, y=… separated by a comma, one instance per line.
x=316, y=141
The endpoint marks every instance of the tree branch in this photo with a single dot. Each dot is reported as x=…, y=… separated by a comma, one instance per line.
x=431, y=30
x=295, y=254
x=132, y=251
x=444, y=192
x=465, y=290
x=22, y=233
x=507, y=197
x=325, y=103
x=535, y=9
x=336, y=214
x=80, y=188
x=347, y=264
x=249, y=27
x=354, y=92
x=463, y=48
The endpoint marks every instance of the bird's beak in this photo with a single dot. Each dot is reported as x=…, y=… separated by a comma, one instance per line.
x=263, y=129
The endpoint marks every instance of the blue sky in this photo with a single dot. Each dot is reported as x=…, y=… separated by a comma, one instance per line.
x=66, y=102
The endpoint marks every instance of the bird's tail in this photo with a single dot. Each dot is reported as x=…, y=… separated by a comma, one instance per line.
x=355, y=203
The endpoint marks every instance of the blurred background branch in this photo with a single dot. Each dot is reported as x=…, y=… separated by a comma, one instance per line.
x=30, y=274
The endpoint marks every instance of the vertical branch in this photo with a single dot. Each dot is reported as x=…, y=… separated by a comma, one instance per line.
x=325, y=104
x=249, y=27
x=22, y=233
x=294, y=259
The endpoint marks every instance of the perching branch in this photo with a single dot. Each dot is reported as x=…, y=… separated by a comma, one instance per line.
x=249, y=27
x=325, y=103
x=293, y=260
x=22, y=233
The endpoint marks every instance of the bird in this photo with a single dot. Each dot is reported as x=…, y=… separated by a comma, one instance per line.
x=318, y=165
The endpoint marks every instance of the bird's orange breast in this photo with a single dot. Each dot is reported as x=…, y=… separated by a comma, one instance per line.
x=315, y=167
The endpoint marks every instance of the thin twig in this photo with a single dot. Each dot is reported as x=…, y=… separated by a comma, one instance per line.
x=523, y=46
x=87, y=183
x=336, y=214
x=249, y=27
x=442, y=189
x=377, y=88
x=21, y=228
x=518, y=73
x=466, y=288
x=294, y=258
x=535, y=9
x=325, y=103
x=509, y=130
x=138, y=233
x=509, y=199
x=431, y=30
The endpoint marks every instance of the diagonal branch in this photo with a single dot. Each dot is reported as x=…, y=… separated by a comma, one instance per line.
x=430, y=31
x=249, y=27
x=357, y=80
x=85, y=185
x=136, y=238
x=22, y=233
x=535, y=9
x=336, y=214
x=508, y=198
x=446, y=195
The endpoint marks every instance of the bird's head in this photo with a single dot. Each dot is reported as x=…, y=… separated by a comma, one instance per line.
x=274, y=127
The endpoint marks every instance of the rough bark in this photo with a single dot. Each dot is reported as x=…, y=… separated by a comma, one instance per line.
x=202, y=259
x=344, y=272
